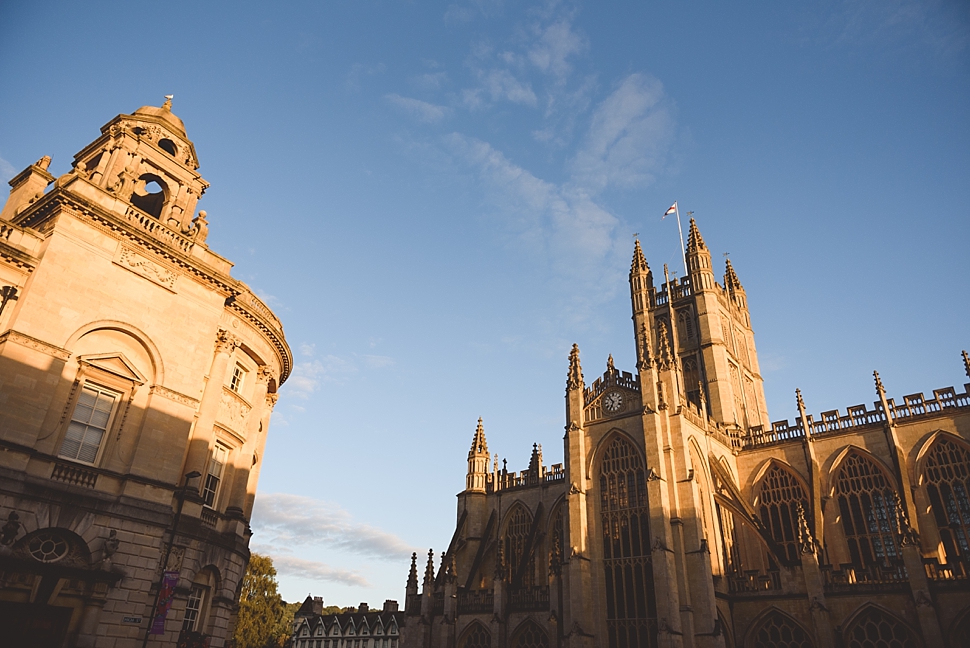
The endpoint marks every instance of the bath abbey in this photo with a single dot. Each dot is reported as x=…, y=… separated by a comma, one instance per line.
x=682, y=517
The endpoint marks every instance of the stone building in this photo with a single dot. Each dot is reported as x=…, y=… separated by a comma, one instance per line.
x=363, y=628
x=682, y=517
x=137, y=378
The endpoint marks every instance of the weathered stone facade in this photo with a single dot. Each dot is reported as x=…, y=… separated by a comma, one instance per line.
x=137, y=379
x=682, y=518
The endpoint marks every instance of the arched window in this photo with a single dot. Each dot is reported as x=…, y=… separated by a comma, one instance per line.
x=778, y=630
x=875, y=629
x=530, y=635
x=557, y=540
x=692, y=380
x=947, y=473
x=516, y=537
x=475, y=636
x=149, y=194
x=780, y=495
x=626, y=545
x=867, y=510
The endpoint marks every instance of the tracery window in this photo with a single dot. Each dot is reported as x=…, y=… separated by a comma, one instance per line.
x=875, y=629
x=692, y=380
x=780, y=631
x=557, y=541
x=947, y=472
x=730, y=552
x=476, y=636
x=867, y=510
x=531, y=636
x=516, y=537
x=780, y=495
x=626, y=546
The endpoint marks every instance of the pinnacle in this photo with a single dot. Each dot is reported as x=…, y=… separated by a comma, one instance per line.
x=731, y=280
x=479, y=445
x=695, y=243
x=639, y=263
x=574, y=380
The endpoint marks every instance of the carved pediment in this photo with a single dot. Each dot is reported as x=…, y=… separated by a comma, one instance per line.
x=114, y=363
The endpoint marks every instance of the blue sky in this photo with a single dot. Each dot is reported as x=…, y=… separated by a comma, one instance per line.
x=439, y=199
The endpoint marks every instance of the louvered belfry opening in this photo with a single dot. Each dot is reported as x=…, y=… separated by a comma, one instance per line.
x=630, y=608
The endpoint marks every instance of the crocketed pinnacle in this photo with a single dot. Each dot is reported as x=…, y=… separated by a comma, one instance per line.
x=639, y=263
x=731, y=281
x=694, y=241
x=479, y=445
x=879, y=388
x=575, y=378
x=966, y=363
x=413, y=574
x=610, y=367
x=535, y=461
x=429, y=569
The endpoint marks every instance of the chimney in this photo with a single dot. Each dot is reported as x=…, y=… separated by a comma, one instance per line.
x=364, y=608
x=318, y=605
x=390, y=606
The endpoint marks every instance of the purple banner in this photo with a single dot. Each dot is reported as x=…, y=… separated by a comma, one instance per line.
x=169, y=581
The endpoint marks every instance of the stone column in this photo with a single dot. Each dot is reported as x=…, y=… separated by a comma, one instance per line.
x=201, y=439
x=243, y=461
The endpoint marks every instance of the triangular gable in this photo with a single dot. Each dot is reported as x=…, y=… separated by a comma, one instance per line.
x=378, y=626
x=364, y=626
x=114, y=363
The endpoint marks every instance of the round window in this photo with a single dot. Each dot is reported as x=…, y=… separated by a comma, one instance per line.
x=47, y=547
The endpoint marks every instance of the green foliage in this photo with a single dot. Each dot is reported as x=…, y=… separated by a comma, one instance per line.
x=264, y=619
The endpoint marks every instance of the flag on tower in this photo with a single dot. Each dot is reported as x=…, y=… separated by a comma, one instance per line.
x=672, y=210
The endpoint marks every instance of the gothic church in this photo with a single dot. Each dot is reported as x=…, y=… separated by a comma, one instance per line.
x=683, y=518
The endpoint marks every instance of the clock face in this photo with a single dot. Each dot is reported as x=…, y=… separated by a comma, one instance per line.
x=613, y=401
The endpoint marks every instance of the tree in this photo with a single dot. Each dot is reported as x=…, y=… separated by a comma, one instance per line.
x=259, y=623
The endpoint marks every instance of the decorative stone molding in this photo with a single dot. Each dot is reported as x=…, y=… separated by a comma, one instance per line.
x=173, y=395
x=35, y=344
x=233, y=411
x=265, y=374
x=226, y=342
x=131, y=260
x=271, y=400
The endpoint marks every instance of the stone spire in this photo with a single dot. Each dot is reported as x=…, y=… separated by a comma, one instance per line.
x=966, y=363
x=731, y=281
x=429, y=571
x=477, y=461
x=535, y=463
x=412, y=586
x=639, y=264
x=575, y=377
x=695, y=243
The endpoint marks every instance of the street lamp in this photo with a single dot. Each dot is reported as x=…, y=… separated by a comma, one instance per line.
x=180, y=495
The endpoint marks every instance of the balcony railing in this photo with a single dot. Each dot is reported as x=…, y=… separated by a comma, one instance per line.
x=935, y=571
x=753, y=580
x=74, y=474
x=476, y=601
x=530, y=599
x=871, y=576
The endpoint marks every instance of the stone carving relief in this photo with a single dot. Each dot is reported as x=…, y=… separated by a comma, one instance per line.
x=173, y=395
x=233, y=412
x=131, y=260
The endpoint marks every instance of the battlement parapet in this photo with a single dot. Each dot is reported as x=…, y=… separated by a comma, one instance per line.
x=914, y=406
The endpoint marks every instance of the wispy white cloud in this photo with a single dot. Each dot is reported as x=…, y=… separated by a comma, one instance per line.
x=378, y=361
x=287, y=564
x=629, y=137
x=430, y=80
x=295, y=520
x=555, y=44
x=359, y=70
x=500, y=85
x=421, y=110
x=309, y=374
x=7, y=170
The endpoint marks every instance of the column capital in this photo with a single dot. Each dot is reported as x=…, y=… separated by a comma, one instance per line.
x=271, y=400
x=265, y=374
x=226, y=342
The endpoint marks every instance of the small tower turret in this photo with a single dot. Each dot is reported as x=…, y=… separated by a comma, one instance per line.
x=477, y=461
x=733, y=286
x=699, y=260
x=574, y=390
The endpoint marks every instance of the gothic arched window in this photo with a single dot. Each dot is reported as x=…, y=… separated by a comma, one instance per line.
x=780, y=495
x=780, y=631
x=866, y=504
x=875, y=629
x=476, y=636
x=557, y=540
x=516, y=538
x=692, y=380
x=626, y=545
x=947, y=473
x=530, y=635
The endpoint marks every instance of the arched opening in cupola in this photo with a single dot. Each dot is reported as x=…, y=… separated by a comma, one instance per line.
x=149, y=194
x=168, y=146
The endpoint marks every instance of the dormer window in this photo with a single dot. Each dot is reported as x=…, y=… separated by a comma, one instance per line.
x=168, y=146
x=238, y=378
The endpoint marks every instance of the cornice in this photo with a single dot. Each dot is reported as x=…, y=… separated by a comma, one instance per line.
x=35, y=344
x=174, y=396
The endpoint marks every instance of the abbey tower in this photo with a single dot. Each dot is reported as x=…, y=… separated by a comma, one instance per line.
x=681, y=517
x=137, y=379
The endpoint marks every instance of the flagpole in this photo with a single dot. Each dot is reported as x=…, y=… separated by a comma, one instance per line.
x=683, y=255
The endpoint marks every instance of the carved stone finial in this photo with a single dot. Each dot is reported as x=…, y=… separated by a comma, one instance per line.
x=695, y=242
x=200, y=226
x=639, y=263
x=429, y=570
x=575, y=378
x=479, y=444
x=731, y=281
x=610, y=367
x=413, y=572
x=880, y=390
x=966, y=363
x=168, y=102
x=44, y=162
x=806, y=542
